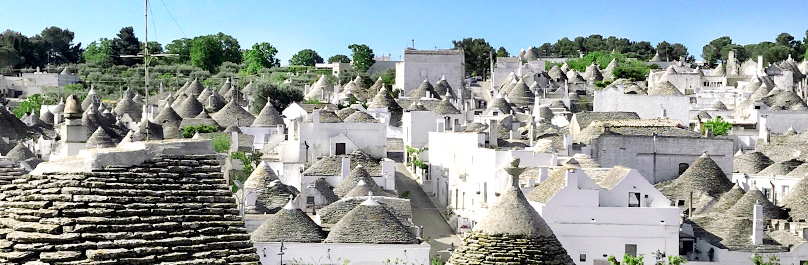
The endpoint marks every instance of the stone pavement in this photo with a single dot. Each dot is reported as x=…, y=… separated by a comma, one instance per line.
x=436, y=230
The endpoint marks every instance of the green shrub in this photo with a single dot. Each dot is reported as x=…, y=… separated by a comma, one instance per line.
x=718, y=126
x=221, y=142
x=189, y=131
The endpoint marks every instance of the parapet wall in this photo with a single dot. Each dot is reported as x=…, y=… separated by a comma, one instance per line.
x=126, y=154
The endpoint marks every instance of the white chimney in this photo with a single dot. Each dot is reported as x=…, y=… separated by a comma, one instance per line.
x=572, y=179
x=757, y=225
x=492, y=133
x=543, y=173
x=346, y=166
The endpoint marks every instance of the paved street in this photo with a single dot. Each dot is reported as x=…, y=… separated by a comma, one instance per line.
x=424, y=213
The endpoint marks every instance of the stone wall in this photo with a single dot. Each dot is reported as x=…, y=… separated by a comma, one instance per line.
x=658, y=160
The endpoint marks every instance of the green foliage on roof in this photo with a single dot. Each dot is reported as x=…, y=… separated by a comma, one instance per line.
x=718, y=126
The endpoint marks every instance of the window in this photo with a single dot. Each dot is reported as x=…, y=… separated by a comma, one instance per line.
x=785, y=190
x=340, y=149
x=310, y=200
x=633, y=199
x=767, y=192
x=631, y=249
x=582, y=257
x=683, y=167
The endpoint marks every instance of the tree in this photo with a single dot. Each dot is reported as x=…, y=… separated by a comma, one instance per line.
x=718, y=126
x=634, y=71
x=206, y=53
x=339, y=58
x=545, y=49
x=154, y=47
x=477, y=53
x=55, y=46
x=665, y=49
x=280, y=96
x=31, y=104
x=642, y=50
x=502, y=52
x=262, y=55
x=786, y=39
x=363, y=57
x=181, y=47
x=712, y=52
x=679, y=50
x=307, y=57
x=15, y=50
x=99, y=53
x=566, y=48
x=126, y=44
x=231, y=50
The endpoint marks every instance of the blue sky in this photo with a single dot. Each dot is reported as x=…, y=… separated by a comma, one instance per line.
x=389, y=26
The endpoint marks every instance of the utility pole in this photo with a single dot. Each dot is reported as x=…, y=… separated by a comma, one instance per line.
x=146, y=62
x=146, y=58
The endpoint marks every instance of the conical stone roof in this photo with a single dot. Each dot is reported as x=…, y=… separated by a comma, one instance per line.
x=233, y=115
x=370, y=223
x=179, y=100
x=745, y=206
x=190, y=108
x=511, y=232
x=761, y=92
x=442, y=87
x=60, y=108
x=195, y=88
x=89, y=213
x=344, y=113
x=268, y=117
x=656, y=58
x=290, y=224
x=204, y=95
x=383, y=100
x=422, y=90
x=128, y=106
x=360, y=117
x=796, y=201
x=47, y=117
x=357, y=174
x=261, y=175
x=750, y=163
x=521, y=95
x=20, y=152
x=100, y=139
x=363, y=189
x=704, y=176
x=168, y=115
x=10, y=126
x=226, y=86
x=416, y=106
x=248, y=89
x=319, y=88
x=215, y=102
x=780, y=168
x=445, y=107
x=728, y=199
x=718, y=105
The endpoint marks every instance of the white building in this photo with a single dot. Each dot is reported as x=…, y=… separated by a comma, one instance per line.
x=325, y=134
x=607, y=212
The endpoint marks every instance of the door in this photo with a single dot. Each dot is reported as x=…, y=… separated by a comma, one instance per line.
x=340, y=149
